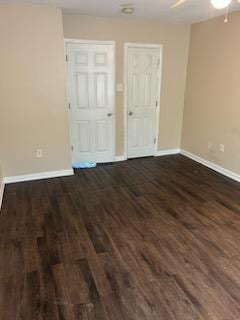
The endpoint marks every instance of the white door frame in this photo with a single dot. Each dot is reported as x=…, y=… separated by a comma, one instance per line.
x=128, y=45
x=83, y=41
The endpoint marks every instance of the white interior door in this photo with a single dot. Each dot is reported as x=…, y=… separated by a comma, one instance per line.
x=142, y=100
x=91, y=101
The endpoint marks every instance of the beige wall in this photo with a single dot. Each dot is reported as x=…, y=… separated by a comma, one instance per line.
x=212, y=102
x=1, y=185
x=1, y=181
x=175, y=41
x=33, y=110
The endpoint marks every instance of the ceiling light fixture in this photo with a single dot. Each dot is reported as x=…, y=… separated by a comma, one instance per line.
x=127, y=9
x=221, y=4
x=217, y=4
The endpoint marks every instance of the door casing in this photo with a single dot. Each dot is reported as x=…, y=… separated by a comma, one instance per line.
x=141, y=45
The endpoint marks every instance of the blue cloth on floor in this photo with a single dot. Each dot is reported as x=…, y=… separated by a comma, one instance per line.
x=84, y=165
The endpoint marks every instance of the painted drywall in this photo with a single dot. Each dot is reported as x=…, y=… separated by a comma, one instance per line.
x=1, y=185
x=212, y=102
x=1, y=174
x=33, y=113
x=175, y=41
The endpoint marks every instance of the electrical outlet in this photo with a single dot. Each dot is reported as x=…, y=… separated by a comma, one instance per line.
x=39, y=153
x=222, y=147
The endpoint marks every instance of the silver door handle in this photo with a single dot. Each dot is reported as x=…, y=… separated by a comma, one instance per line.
x=109, y=114
x=130, y=113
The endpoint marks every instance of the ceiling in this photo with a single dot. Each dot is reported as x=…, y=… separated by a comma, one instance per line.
x=190, y=12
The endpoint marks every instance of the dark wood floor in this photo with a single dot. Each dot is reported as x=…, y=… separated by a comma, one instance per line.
x=155, y=238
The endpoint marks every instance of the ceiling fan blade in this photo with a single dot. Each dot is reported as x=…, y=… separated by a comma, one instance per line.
x=178, y=3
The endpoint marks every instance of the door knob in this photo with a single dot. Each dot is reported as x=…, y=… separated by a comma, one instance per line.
x=109, y=114
x=130, y=113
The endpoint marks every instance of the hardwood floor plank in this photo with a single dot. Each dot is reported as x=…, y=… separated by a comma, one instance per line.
x=33, y=297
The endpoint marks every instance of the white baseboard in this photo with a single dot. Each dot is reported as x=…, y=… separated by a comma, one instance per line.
x=167, y=152
x=120, y=158
x=39, y=176
x=158, y=154
x=2, y=186
x=213, y=166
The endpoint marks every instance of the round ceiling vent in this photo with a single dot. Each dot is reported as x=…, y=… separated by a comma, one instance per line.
x=127, y=9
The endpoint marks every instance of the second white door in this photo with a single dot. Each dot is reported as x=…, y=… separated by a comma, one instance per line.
x=142, y=100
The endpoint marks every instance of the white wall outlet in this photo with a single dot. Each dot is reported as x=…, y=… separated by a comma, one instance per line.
x=222, y=147
x=210, y=145
x=39, y=153
x=119, y=87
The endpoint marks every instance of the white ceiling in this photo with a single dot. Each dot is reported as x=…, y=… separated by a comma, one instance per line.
x=190, y=12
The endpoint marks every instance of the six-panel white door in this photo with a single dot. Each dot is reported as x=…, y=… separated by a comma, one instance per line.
x=91, y=100
x=142, y=100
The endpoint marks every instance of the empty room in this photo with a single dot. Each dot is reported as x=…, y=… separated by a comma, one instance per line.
x=120, y=160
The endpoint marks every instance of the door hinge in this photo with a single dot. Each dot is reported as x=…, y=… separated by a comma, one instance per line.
x=156, y=103
x=155, y=140
x=66, y=58
x=72, y=148
x=158, y=61
x=69, y=106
